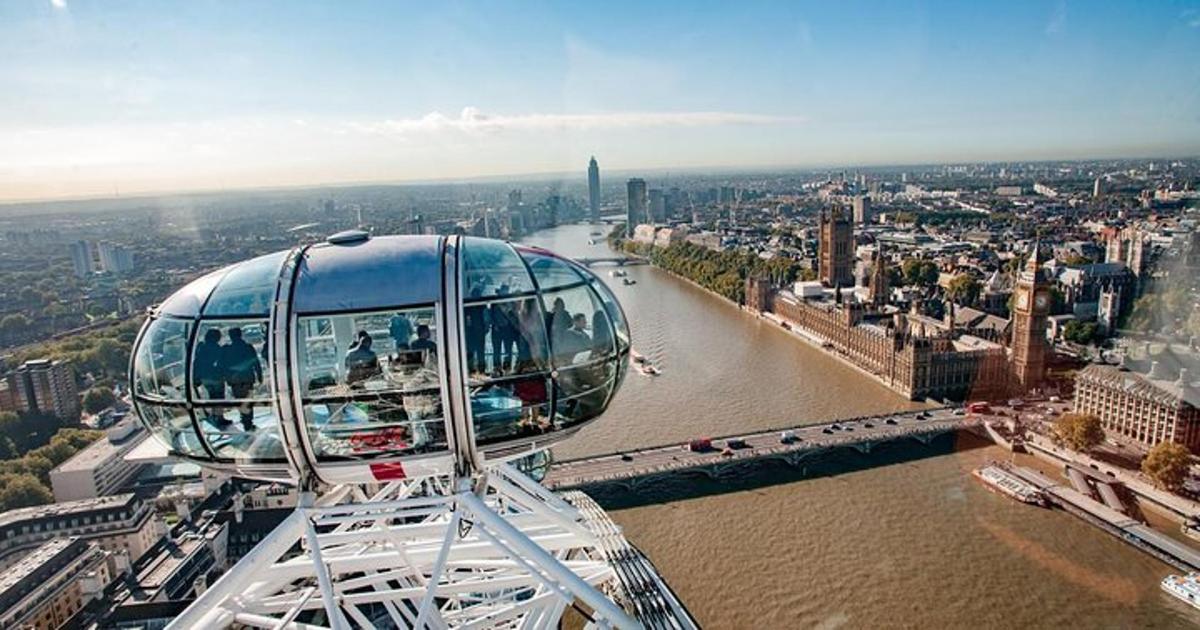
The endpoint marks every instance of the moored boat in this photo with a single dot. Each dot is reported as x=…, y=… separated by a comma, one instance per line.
x=1185, y=588
x=996, y=478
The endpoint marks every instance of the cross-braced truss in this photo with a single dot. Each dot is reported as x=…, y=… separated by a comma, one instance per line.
x=419, y=554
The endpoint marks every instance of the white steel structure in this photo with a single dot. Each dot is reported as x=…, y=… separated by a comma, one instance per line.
x=394, y=380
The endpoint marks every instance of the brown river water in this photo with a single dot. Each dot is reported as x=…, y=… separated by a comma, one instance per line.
x=916, y=543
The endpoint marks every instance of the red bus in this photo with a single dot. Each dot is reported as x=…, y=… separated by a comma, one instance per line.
x=978, y=407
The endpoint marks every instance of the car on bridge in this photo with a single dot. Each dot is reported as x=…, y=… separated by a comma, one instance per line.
x=788, y=437
x=736, y=443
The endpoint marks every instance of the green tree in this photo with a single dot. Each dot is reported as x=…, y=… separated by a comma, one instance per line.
x=1167, y=464
x=919, y=272
x=964, y=289
x=1079, y=431
x=1082, y=333
x=98, y=399
x=14, y=325
x=22, y=490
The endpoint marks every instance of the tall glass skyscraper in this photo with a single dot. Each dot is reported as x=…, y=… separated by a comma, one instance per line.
x=635, y=211
x=594, y=189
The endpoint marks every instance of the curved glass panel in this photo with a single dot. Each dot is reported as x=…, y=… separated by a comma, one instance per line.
x=248, y=288
x=371, y=383
x=187, y=301
x=173, y=427
x=583, y=390
x=160, y=360
x=578, y=326
x=228, y=360
x=387, y=424
x=492, y=268
x=551, y=272
x=504, y=337
x=245, y=433
x=512, y=407
x=620, y=328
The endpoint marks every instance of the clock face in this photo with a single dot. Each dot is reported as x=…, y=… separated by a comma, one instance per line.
x=1041, y=300
x=1022, y=300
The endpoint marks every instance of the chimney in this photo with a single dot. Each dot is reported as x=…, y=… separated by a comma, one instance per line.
x=1157, y=371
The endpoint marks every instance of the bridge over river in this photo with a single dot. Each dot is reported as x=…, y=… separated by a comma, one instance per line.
x=617, y=260
x=860, y=434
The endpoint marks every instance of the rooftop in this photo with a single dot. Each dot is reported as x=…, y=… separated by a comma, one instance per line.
x=100, y=451
x=31, y=562
x=66, y=508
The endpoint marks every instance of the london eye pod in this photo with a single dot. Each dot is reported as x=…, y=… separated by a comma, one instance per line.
x=365, y=359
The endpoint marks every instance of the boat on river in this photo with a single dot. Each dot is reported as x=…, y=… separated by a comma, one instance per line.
x=1185, y=588
x=998, y=479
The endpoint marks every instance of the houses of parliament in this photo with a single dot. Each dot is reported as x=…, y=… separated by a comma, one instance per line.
x=965, y=354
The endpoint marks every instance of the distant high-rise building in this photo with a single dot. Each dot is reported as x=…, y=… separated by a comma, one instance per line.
x=836, y=267
x=1098, y=187
x=635, y=209
x=727, y=194
x=42, y=386
x=594, y=189
x=81, y=258
x=862, y=209
x=114, y=258
x=1031, y=306
x=658, y=205
x=514, y=199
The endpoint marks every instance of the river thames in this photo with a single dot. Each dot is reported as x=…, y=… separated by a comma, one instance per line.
x=911, y=544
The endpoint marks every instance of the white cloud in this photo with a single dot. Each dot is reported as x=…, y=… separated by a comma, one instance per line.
x=58, y=4
x=471, y=119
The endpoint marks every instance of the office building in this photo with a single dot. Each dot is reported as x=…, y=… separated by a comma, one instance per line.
x=862, y=209
x=636, y=205
x=101, y=468
x=836, y=265
x=81, y=259
x=594, y=190
x=114, y=258
x=658, y=205
x=42, y=386
x=1097, y=187
x=1145, y=409
x=51, y=584
x=121, y=524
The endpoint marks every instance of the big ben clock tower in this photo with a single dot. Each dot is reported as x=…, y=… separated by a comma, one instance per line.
x=1031, y=305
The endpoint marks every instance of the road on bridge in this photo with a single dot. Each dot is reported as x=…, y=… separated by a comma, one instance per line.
x=637, y=463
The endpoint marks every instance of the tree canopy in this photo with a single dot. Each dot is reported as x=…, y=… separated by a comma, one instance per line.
x=1079, y=431
x=1167, y=464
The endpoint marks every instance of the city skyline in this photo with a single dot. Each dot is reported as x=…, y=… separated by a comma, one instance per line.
x=134, y=99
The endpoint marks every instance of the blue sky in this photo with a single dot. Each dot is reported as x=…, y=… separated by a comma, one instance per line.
x=106, y=95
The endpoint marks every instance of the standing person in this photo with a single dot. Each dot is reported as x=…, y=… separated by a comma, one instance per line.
x=206, y=369
x=243, y=371
x=476, y=325
x=400, y=329
x=531, y=339
x=504, y=332
x=558, y=320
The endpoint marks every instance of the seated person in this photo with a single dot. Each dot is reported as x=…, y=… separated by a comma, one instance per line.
x=361, y=362
x=423, y=341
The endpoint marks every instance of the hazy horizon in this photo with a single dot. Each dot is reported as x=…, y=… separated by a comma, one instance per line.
x=141, y=99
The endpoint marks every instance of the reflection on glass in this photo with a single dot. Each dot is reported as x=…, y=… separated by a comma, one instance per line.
x=368, y=352
x=551, y=272
x=381, y=395
x=620, y=327
x=244, y=434
x=159, y=367
x=248, y=288
x=510, y=408
x=583, y=390
x=385, y=425
x=228, y=361
x=492, y=268
x=173, y=426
